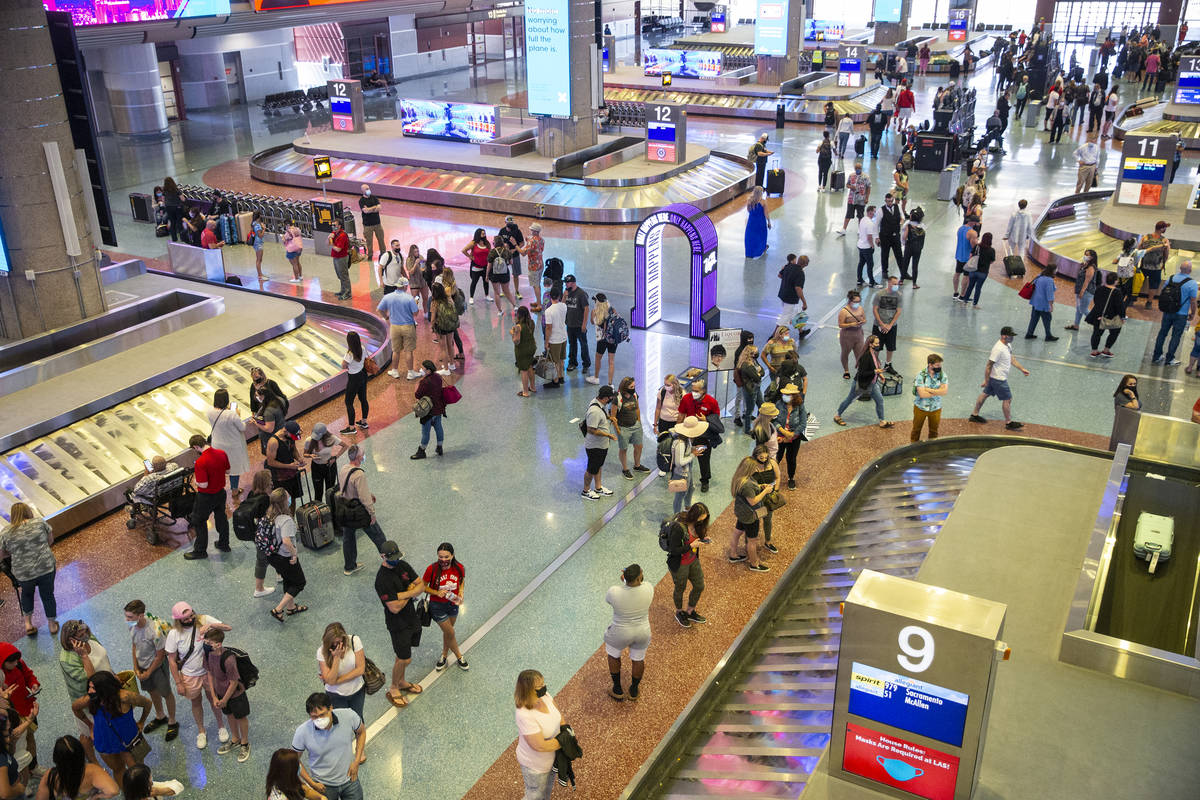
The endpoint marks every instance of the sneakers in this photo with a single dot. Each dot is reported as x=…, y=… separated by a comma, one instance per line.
x=295, y=280
x=1051, y=338
x=840, y=233
x=349, y=430
x=172, y=732
x=704, y=486
x=640, y=468
x=604, y=491
x=226, y=747
x=222, y=735
x=243, y=753
x=154, y=725
x=771, y=548
x=362, y=423
x=264, y=592
x=1014, y=425
x=571, y=367
x=393, y=373
x=680, y=616
x=592, y=381
x=791, y=484
x=736, y=559
x=412, y=375
x=201, y=740
x=588, y=494
x=441, y=664
x=1030, y=336
x=439, y=450
x=627, y=474
x=1106, y=354
x=443, y=371
x=976, y=418
x=694, y=617
x=463, y=665
x=1174, y=362
x=357, y=567
x=471, y=301
x=1158, y=360
x=758, y=568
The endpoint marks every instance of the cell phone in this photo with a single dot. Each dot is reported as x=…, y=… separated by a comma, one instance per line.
x=233, y=406
x=149, y=466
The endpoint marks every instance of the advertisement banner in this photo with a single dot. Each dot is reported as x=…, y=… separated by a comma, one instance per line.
x=900, y=764
x=722, y=344
x=458, y=122
x=683, y=63
x=771, y=29
x=105, y=12
x=548, y=58
x=907, y=703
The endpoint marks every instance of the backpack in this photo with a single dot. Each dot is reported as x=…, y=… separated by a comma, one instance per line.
x=460, y=302
x=1126, y=266
x=247, y=672
x=445, y=317
x=264, y=536
x=664, y=535
x=553, y=269
x=583, y=426
x=1170, y=298
x=664, y=453
x=245, y=516
x=616, y=329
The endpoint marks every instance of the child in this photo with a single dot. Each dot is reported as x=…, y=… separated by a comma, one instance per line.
x=227, y=693
x=21, y=687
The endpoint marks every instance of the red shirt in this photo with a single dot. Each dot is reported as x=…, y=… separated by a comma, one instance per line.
x=448, y=580
x=211, y=468
x=691, y=407
x=906, y=99
x=208, y=239
x=341, y=245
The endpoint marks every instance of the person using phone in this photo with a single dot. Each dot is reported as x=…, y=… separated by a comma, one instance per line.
x=157, y=468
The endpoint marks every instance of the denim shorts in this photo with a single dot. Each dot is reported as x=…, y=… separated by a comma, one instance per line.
x=440, y=612
x=998, y=389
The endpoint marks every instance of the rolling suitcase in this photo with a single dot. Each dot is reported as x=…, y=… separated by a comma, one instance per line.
x=1014, y=266
x=775, y=181
x=314, y=519
x=1153, y=538
x=243, y=225
x=837, y=180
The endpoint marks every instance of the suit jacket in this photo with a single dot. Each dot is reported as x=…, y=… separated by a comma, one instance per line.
x=889, y=223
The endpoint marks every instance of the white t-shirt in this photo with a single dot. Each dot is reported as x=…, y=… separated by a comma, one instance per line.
x=867, y=227
x=179, y=641
x=1001, y=358
x=391, y=266
x=556, y=315
x=532, y=721
x=1113, y=101
x=349, y=687
x=353, y=367
x=631, y=604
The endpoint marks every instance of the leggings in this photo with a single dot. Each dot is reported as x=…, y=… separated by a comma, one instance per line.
x=851, y=339
x=823, y=174
x=681, y=576
x=1113, y=333
x=477, y=277
x=458, y=341
x=356, y=386
x=908, y=268
x=789, y=450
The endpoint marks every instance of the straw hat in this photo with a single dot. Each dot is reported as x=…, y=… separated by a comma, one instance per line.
x=768, y=410
x=791, y=388
x=691, y=427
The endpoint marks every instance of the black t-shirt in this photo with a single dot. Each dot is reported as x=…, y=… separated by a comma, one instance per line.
x=369, y=217
x=512, y=236
x=790, y=277
x=390, y=583
x=576, y=301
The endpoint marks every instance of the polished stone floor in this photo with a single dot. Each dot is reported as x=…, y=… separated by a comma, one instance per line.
x=506, y=494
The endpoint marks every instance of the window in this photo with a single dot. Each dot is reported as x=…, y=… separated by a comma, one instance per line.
x=1081, y=20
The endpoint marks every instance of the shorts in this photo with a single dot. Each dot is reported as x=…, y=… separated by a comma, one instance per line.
x=191, y=687
x=1153, y=277
x=516, y=266
x=888, y=340
x=595, y=458
x=404, y=640
x=997, y=389
x=618, y=637
x=440, y=612
x=603, y=346
x=292, y=256
x=292, y=485
x=631, y=435
x=1109, y=116
x=404, y=338
x=499, y=280
x=905, y=113
x=854, y=208
x=749, y=528
x=258, y=245
x=238, y=706
x=958, y=267
x=557, y=351
x=159, y=680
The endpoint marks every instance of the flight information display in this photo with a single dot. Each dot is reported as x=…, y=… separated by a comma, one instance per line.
x=107, y=12
x=341, y=105
x=1144, y=170
x=683, y=63
x=908, y=704
x=716, y=22
x=1187, y=87
x=459, y=122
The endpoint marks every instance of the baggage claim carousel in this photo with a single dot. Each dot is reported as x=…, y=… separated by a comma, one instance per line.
x=87, y=404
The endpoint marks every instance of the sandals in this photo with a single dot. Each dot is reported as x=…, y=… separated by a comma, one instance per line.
x=399, y=701
x=412, y=688
x=31, y=631
x=845, y=376
x=522, y=394
x=839, y=421
x=277, y=614
x=886, y=424
x=296, y=610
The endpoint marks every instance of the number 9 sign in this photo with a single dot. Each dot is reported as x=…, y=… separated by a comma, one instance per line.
x=922, y=651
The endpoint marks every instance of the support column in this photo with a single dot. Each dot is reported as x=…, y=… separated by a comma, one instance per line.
x=774, y=69
x=576, y=129
x=60, y=293
x=202, y=73
x=135, y=99
x=402, y=28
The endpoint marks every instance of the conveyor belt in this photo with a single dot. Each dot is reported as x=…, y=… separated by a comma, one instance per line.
x=705, y=186
x=107, y=449
x=796, y=109
x=771, y=718
x=1151, y=121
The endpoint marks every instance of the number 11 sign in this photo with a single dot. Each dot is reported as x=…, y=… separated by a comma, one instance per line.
x=1145, y=171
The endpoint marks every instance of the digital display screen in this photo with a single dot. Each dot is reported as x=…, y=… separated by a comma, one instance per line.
x=340, y=105
x=852, y=80
x=716, y=22
x=660, y=132
x=823, y=30
x=547, y=58
x=683, y=63
x=109, y=12
x=887, y=10
x=1187, y=88
x=771, y=28
x=899, y=763
x=908, y=704
x=459, y=122
x=1144, y=170
x=322, y=168
x=960, y=19
x=275, y=5
x=5, y=263
x=850, y=65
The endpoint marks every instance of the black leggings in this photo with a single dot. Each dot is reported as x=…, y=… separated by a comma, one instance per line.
x=908, y=270
x=823, y=173
x=789, y=450
x=323, y=476
x=175, y=222
x=458, y=341
x=476, y=277
x=1113, y=333
x=356, y=386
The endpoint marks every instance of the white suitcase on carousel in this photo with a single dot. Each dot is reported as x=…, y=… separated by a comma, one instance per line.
x=1154, y=537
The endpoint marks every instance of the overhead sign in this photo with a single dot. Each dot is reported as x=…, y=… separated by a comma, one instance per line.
x=771, y=28
x=888, y=10
x=346, y=106
x=322, y=169
x=960, y=22
x=548, y=58
x=648, y=268
x=1144, y=173
x=107, y=12
x=850, y=64
x=716, y=20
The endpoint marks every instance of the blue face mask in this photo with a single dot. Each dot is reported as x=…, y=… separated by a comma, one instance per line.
x=393, y=564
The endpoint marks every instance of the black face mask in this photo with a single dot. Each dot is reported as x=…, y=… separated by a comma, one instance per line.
x=187, y=623
x=540, y=692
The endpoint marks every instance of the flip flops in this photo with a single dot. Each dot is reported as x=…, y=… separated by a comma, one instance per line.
x=399, y=701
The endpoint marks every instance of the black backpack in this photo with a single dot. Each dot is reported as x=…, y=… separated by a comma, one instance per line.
x=245, y=516
x=664, y=454
x=583, y=426
x=247, y=672
x=1170, y=299
x=553, y=269
x=664, y=534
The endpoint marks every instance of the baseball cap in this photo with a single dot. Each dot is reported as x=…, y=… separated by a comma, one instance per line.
x=402, y=282
x=569, y=279
x=319, y=430
x=391, y=550
x=1007, y=331
x=508, y=218
x=181, y=610
x=293, y=428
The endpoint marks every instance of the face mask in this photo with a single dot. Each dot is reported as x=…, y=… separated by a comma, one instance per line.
x=697, y=395
x=393, y=564
x=131, y=623
x=877, y=348
x=787, y=398
x=187, y=623
x=893, y=288
x=540, y=692
x=857, y=171
x=855, y=305
x=936, y=370
x=367, y=193
x=322, y=723
x=207, y=648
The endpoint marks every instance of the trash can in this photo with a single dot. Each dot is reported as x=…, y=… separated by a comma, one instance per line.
x=779, y=115
x=1033, y=114
x=948, y=183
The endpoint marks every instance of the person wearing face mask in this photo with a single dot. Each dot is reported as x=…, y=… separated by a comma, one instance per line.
x=445, y=583
x=750, y=375
x=929, y=387
x=851, y=318
x=766, y=474
x=226, y=692
x=866, y=379
x=114, y=729
x=597, y=434
x=792, y=422
x=627, y=419
x=868, y=238
x=397, y=585
x=335, y=742
x=912, y=238
x=148, y=635
x=185, y=651
x=391, y=267
x=538, y=724
x=686, y=446
x=776, y=350
x=858, y=193
x=210, y=475
x=703, y=406
x=431, y=387
x=369, y=205
x=886, y=308
x=995, y=379
x=630, y=628
x=748, y=495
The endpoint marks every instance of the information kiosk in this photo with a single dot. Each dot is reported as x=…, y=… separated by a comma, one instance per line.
x=666, y=133
x=346, y=106
x=850, y=65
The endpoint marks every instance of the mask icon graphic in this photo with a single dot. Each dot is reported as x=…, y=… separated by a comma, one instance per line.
x=899, y=770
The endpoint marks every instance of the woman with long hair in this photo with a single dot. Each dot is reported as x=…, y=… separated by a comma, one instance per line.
x=1041, y=303
x=445, y=580
x=286, y=558
x=434, y=264
x=866, y=379
x=602, y=317
x=81, y=656
x=538, y=723
x=975, y=280
x=912, y=239
x=283, y=778
x=747, y=504
x=341, y=662
x=1126, y=395
x=666, y=410
x=686, y=532
x=354, y=362
x=11, y=730
x=479, y=250
x=255, y=503
x=73, y=776
x=173, y=203
x=766, y=474
x=1087, y=284
x=851, y=318
x=824, y=162
x=757, y=224
x=114, y=730
x=1108, y=314
x=414, y=270
x=686, y=448
x=445, y=326
x=764, y=430
x=751, y=375
x=630, y=628
x=430, y=386
x=524, y=337
x=26, y=539
x=776, y=350
x=794, y=419
x=499, y=274
x=323, y=448
x=256, y=240
x=455, y=295
x=268, y=405
x=900, y=186
x=139, y=784
x=227, y=432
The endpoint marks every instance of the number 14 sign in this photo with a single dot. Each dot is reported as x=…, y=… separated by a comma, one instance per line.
x=1145, y=171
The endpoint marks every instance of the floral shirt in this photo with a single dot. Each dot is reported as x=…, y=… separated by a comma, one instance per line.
x=533, y=252
x=927, y=380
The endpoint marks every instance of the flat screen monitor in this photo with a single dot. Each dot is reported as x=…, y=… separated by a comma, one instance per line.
x=888, y=10
x=716, y=22
x=851, y=80
x=850, y=65
x=1144, y=170
x=683, y=63
x=340, y=105
x=458, y=122
x=110, y=12
x=823, y=30
x=660, y=132
x=1187, y=89
x=909, y=704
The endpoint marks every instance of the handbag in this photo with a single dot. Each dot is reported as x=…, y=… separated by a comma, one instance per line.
x=139, y=748
x=370, y=367
x=972, y=262
x=373, y=676
x=677, y=485
x=1026, y=292
x=424, y=612
x=1108, y=323
x=774, y=500
x=423, y=407
x=214, y=427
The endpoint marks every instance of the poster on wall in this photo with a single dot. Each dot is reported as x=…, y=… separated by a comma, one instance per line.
x=722, y=344
x=548, y=58
x=771, y=29
x=106, y=12
x=683, y=63
x=822, y=30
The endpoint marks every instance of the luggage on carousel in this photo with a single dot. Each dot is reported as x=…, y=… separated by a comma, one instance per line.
x=837, y=180
x=1014, y=266
x=314, y=519
x=1153, y=538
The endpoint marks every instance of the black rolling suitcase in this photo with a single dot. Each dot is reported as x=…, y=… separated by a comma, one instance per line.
x=837, y=180
x=775, y=181
x=1014, y=266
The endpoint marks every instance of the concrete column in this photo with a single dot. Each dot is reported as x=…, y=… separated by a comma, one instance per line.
x=135, y=99
x=773, y=70
x=202, y=73
x=557, y=137
x=402, y=29
x=32, y=94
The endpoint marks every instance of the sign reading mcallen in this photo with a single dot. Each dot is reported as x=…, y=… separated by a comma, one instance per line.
x=548, y=57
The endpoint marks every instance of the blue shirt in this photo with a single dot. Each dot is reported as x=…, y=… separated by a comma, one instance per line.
x=1043, y=293
x=400, y=306
x=963, y=251
x=1187, y=293
x=925, y=379
x=330, y=751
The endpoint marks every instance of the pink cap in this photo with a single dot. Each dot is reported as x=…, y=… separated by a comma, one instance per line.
x=180, y=610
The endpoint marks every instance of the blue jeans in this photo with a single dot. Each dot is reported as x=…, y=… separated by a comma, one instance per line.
x=1034, y=316
x=537, y=784
x=350, y=543
x=683, y=500
x=1083, y=304
x=45, y=587
x=577, y=348
x=752, y=399
x=854, y=393
x=1173, y=324
x=354, y=701
x=434, y=422
x=350, y=790
x=975, y=281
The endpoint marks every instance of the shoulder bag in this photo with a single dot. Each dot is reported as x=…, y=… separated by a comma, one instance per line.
x=774, y=500
x=1114, y=322
x=139, y=748
x=373, y=676
x=214, y=426
x=350, y=513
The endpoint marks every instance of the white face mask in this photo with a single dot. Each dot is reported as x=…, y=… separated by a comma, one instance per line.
x=787, y=398
x=366, y=192
x=697, y=395
x=323, y=722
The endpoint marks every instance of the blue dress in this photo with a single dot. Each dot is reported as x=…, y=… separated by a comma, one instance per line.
x=756, y=231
